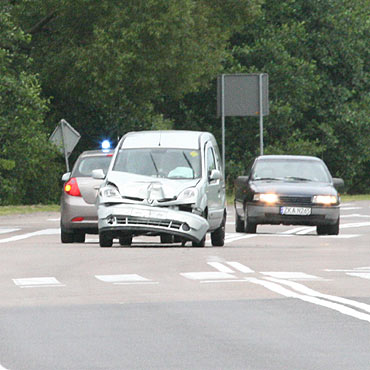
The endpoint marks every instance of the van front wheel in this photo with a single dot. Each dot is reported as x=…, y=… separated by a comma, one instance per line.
x=218, y=236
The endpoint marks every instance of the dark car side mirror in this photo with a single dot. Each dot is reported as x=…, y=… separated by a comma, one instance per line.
x=338, y=183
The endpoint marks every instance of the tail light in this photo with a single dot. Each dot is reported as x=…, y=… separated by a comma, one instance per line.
x=71, y=187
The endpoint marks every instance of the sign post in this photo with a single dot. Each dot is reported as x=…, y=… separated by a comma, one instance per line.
x=242, y=95
x=65, y=137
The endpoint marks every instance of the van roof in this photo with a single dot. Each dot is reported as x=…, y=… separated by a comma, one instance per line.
x=165, y=138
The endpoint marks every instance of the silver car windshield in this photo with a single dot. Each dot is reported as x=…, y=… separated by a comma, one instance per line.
x=160, y=162
x=294, y=170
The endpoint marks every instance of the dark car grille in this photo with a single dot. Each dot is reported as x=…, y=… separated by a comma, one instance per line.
x=130, y=220
x=295, y=200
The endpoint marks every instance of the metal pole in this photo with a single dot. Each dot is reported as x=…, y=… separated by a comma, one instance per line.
x=223, y=122
x=64, y=146
x=261, y=114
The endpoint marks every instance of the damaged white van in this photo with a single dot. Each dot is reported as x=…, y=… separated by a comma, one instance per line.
x=163, y=183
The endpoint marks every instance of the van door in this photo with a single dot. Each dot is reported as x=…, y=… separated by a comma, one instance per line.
x=215, y=189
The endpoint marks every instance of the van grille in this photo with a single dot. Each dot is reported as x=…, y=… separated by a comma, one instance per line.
x=141, y=221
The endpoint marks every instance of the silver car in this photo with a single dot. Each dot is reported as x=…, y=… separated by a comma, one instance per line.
x=164, y=183
x=78, y=211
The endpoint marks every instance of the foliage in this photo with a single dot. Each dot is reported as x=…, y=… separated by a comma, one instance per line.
x=109, y=67
x=23, y=144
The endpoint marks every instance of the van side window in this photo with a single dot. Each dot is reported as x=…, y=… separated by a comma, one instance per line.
x=211, y=162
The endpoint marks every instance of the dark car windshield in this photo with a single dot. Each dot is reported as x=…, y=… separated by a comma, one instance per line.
x=86, y=165
x=158, y=162
x=290, y=170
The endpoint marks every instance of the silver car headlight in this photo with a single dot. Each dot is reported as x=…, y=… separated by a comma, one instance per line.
x=189, y=195
x=325, y=199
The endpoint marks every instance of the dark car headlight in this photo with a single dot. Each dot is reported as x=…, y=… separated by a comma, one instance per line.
x=325, y=199
x=269, y=198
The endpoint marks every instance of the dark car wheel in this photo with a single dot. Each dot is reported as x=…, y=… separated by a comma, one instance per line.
x=249, y=227
x=328, y=229
x=239, y=224
x=66, y=237
x=105, y=240
x=167, y=239
x=218, y=236
x=125, y=240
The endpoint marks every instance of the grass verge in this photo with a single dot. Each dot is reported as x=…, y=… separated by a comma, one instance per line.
x=10, y=210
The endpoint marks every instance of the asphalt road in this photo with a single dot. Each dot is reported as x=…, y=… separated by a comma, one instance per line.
x=284, y=298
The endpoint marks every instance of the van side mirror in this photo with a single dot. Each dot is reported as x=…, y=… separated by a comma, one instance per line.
x=214, y=175
x=98, y=174
x=66, y=176
x=338, y=183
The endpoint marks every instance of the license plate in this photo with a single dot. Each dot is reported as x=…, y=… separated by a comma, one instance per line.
x=295, y=211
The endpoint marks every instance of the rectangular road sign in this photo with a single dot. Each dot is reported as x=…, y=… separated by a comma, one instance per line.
x=242, y=95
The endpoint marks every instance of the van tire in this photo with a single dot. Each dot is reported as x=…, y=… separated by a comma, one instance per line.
x=218, y=236
x=105, y=241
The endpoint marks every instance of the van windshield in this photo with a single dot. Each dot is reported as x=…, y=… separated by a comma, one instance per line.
x=160, y=162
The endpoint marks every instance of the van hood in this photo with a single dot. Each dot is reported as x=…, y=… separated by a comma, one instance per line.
x=137, y=187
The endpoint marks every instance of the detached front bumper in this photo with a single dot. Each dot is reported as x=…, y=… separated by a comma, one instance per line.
x=140, y=220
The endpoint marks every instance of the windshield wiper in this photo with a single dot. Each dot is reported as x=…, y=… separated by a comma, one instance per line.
x=187, y=160
x=267, y=178
x=155, y=166
x=297, y=178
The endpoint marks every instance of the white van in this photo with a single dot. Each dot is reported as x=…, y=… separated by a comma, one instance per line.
x=165, y=183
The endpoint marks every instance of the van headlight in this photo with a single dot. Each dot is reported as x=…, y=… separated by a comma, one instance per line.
x=110, y=193
x=189, y=195
x=325, y=199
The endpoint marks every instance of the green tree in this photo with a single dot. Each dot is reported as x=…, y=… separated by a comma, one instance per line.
x=25, y=153
x=316, y=54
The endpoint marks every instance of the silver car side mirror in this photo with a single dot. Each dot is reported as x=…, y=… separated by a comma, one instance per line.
x=66, y=176
x=98, y=174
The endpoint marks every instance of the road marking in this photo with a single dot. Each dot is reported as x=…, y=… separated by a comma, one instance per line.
x=125, y=279
x=207, y=275
x=306, y=230
x=220, y=267
x=340, y=236
x=28, y=235
x=355, y=215
x=295, y=230
x=3, y=368
x=363, y=275
x=349, y=208
x=279, y=289
x=5, y=230
x=240, y=267
x=308, y=291
x=223, y=281
x=39, y=282
x=355, y=224
x=291, y=275
x=54, y=219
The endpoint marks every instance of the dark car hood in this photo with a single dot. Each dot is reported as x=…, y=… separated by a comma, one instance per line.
x=302, y=188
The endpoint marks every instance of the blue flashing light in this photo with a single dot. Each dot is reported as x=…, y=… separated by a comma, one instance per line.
x=105, y=145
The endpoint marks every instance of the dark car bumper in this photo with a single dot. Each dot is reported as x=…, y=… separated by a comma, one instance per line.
x=265, y=214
